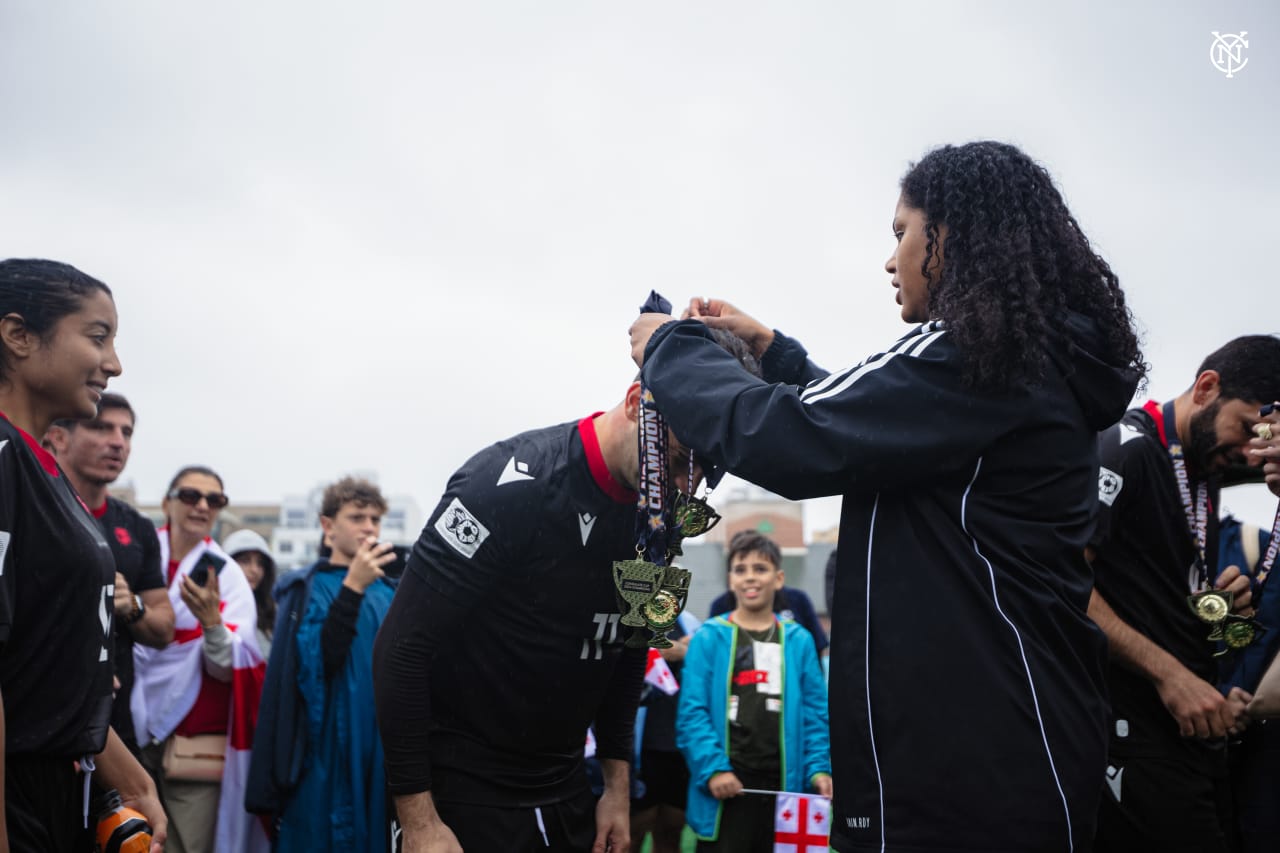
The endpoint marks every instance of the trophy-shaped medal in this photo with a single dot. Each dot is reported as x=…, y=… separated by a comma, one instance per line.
x=1237, y=632
x=694, y=516
x=638, y=581
x=661, y=613
x=1211, y=606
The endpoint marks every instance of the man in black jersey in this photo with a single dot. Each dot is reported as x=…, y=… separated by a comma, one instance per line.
x=93, y=454
x=1156, y=543
x=503, y=644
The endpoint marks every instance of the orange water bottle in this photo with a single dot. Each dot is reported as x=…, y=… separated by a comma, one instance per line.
x=120, y=828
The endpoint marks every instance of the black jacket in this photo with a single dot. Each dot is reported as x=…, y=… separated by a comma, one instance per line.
x=968, y=705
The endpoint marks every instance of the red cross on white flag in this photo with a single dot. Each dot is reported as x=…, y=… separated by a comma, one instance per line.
x=800, y=824
x=657, y=673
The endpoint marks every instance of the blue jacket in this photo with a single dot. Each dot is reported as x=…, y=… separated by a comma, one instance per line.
x=340, y=800
x=1245, y=669
x=702, y=724
x=279, y=738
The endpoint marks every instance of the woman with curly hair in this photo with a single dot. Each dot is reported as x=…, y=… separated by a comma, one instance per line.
x=968, y=706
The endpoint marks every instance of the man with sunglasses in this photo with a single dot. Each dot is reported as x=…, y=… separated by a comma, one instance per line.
x=503, y=644
x=93, y=454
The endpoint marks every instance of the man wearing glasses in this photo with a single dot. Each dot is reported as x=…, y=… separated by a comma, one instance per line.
x=93, y=454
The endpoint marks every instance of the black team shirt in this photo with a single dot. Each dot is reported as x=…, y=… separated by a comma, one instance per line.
x=1144, y=566
x=136, y=548
x=56, y=581
x=503, y=642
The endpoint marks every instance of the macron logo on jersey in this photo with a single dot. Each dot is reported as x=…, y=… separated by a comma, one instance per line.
x=585, y=522
x=458, y=527
x=514, y=472
x=1129, y=433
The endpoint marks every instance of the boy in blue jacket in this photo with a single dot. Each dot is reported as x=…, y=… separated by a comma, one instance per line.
x=753, y=709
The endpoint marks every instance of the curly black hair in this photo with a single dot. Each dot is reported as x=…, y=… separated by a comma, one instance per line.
x=1014, y=262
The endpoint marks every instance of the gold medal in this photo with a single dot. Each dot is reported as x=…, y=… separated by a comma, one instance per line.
x=662, y=610
x=1212, y=606
x=661, y=613
x=638, y=581
x=694, y=516
x=1238, y=633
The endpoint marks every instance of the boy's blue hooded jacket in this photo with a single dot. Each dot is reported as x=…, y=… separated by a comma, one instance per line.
x=702, y=723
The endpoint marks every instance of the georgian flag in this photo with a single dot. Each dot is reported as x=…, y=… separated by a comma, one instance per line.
x=657, y=673
x=801, y=824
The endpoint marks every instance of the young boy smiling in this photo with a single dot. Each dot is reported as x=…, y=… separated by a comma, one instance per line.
x=756, y=680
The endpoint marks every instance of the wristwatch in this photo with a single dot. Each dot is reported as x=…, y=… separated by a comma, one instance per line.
x=138, y=609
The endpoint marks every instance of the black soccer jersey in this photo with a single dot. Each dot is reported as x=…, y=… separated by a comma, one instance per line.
x=56, y=581
x=504, y=640
x=1145, y=565
x=136, y=549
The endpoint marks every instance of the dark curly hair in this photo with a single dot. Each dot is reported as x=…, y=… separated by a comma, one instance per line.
x=1014, y=262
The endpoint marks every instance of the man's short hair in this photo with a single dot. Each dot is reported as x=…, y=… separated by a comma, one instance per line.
x=354, y=490
x=1248, y=368
x=746, y=541
x=107, y=401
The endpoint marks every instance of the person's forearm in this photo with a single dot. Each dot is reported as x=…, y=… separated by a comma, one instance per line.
x=417, y=812
x=217, y=652
x=117, y=768
x=339, y=630
x=617, y=776
x=1129, y=647
x=155, y=628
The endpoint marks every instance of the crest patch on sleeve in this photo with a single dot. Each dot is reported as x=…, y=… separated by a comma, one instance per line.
x=458, y=527
x=1109, y=485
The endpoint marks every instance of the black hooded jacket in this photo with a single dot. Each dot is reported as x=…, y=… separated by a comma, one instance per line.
x=968, y=704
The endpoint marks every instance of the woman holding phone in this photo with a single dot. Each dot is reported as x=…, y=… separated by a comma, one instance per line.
x=186, y=694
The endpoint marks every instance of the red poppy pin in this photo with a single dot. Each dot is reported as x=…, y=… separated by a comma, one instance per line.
x=123, y=537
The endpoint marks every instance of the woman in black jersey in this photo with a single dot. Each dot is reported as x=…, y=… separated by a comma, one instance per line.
x=57, y=352
x=966, y=455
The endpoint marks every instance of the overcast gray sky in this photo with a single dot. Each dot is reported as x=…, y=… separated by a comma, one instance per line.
x=382, y=235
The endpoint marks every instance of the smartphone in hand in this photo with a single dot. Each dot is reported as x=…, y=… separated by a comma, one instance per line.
x=207, y=562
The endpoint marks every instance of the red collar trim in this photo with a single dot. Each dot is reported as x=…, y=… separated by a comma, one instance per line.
x=100, y=511
x=595, y=461
x=44, y=457
x=1156, y=410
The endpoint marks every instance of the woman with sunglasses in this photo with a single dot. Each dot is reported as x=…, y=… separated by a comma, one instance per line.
x=185, y=694
x=57, y=352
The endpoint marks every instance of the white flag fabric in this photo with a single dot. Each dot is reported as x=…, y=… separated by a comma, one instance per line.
x=657, y=673
x=801, y=824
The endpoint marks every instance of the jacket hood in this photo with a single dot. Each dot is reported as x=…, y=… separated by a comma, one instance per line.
x=1102, y=390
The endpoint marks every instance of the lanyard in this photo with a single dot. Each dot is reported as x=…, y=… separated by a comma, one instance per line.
x=1197, y=511
x=652, y=512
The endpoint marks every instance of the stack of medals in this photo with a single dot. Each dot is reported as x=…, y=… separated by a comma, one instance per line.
x=655, y=591
x=1211, y=606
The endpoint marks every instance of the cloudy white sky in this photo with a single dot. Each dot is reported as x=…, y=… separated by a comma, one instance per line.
x=381, y=235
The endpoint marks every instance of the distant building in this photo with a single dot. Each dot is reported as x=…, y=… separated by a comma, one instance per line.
x=743, y=506
x=292, y=527
x=747, y=507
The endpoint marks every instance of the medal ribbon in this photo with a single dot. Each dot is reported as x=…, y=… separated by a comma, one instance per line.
x=652, y=529
x=1198, y=512
x=1264, y=568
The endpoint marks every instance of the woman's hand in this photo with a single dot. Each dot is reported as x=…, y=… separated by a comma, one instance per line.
x=641, y=330
x=204, y=602
x=719, y=314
